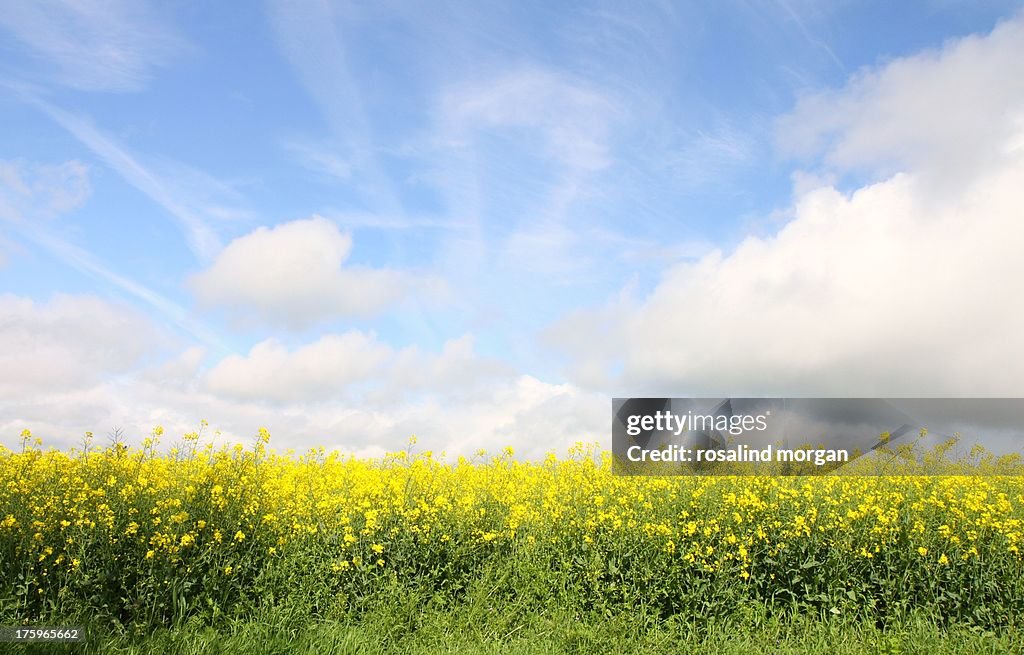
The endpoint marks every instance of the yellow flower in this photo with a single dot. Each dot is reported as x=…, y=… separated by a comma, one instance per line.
x=922, y=551
x=377, y=548
x=943, y=559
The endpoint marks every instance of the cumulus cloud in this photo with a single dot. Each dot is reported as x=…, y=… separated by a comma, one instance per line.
x=457, y=371
x=94, y=46
x=951, y=112
x=899, y=287
x=872, y=293
x=353, y=366
x=67, y=343
x=292, y=275
x=76, y=364
x=318, y=370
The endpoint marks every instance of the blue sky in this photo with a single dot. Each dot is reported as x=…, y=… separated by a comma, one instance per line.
x=477, y=222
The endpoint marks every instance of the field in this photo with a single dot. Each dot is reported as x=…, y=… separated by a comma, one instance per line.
x=244, y=549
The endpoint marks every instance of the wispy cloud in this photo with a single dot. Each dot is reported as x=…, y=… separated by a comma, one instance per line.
x=706, y=158
x=30, y=192
x=308, y=36
x=801, y=24
x=562, y=126
x=573, y=119
x=96, y=46
x=86, y=262
x=372, y=221
x=319, y=159
x=201, y=238
x=45, y=190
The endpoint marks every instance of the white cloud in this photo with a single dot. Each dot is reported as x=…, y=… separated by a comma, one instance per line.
x=457, y=372
x=319, y=370
x=67, y=343
x=75, y=366
x=950, y=112
x=91, y=45
x=902, y=287
x=180, y=370
x=875, y=293
x=292, y=275
x=354, y=365
x=531, y=415
x=453, y=400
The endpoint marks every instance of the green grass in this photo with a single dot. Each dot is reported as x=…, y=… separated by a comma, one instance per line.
x=397, y=627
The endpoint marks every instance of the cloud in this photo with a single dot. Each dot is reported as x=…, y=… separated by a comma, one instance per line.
x=201, y=237
x=314, y=39
x=524, y=412
x=79, y=364
x=878, y=292
x=180, y=370
x=353, y=220
x=292, y=275
x=457, y=372
x=573, y=119
x=353, y=366
x=948, y=112
x=30, y=192
x=902, y=287
x=94, y=46
x=41, y=191
x=87, y=263
x=525, y=147
x=873, y=293
x=707, y=158
x=320, y=159
x=67, y=343
x=313, y=372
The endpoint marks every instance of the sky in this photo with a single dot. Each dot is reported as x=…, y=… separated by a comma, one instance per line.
x=477, y=223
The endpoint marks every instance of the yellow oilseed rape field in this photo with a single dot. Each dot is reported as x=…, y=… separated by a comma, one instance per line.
x=149, y=537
